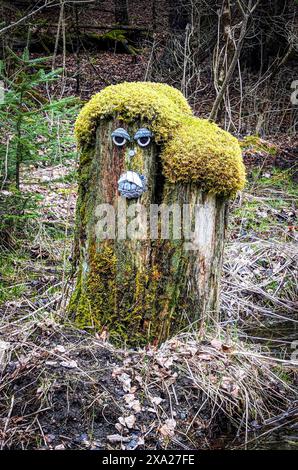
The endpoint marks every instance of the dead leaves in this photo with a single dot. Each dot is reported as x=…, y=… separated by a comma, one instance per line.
x=123, y=378
x=128, y=421
x=220, y=346
x=156, y=400
x=117, y=438
x=168, y=428
x=166, y=362
x=69, y=364
x=132, y=403
x=208, y=365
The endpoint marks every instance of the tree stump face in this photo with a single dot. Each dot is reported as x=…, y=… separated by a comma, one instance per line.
x=148, y=249
x=124, y=167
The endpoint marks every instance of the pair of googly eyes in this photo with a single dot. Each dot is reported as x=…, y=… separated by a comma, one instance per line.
x=142, y=137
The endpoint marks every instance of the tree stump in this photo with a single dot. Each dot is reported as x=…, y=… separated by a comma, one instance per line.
x=149, y=240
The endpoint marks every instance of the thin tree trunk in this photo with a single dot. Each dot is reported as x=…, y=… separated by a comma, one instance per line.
x=231, y=68
x=19, y=155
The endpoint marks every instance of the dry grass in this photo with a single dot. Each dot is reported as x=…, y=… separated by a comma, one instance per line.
x=260, y=275
x=60, y=384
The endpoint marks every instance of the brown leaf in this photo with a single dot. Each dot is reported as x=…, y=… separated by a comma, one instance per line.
x=217, y=344
x=168, y=428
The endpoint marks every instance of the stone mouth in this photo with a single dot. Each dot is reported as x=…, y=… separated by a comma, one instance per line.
x=131, y=184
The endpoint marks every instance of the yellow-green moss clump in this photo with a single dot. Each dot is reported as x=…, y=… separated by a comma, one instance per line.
x=158, y=104
x=94, y=298
x=206, y=154
x=192, y=149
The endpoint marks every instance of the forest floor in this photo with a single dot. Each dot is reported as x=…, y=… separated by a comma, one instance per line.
x=223, y=387
x=232, y=385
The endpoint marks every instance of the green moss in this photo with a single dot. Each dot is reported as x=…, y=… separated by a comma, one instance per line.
x=137, y=163
x=256, y=144
x=204, y=153
x=93, y=300
x=278, y=179
x=158, y=104
x=192, y=149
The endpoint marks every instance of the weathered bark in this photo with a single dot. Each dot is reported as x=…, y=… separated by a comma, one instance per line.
x=144, y=290
x=121, y=11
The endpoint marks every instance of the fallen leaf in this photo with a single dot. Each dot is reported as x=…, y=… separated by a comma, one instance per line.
x=121, y=420
x=4, y=347
x=104, y=335
x=168, y=428
x=139, y=379
x=217, y=344
x=172, y=379
x=59, y=348
x=52, y=363
x=227, y=349
x=135, y=406
x=119, y=427
x=125, y=379
x=117, y=438
x=69, y=364
x=166, y=362
x=156, y=400
x=205, y=357
x=235, y=391
x=129, y=397
x=130, y=421
x=152, y=410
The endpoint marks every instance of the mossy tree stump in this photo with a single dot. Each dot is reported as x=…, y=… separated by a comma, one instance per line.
x=143, y=277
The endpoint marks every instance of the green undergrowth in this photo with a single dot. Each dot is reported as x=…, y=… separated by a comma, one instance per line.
x=256, y=144
x=275, y=179
x=13, y=276
x=32, y=257
x=268, y=206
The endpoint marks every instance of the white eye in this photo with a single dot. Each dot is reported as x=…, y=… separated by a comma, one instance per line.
x=144, y=141
x=143, y=137
x=119, y=140
x=120, y=136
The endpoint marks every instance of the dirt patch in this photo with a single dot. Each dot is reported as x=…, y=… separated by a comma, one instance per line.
x=65, y=389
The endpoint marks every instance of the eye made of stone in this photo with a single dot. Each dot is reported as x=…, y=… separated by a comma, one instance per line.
x=143, y=137
x=120, y=137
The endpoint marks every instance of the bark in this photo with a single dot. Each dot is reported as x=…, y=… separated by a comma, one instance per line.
x=121, y=11
x=143, y=291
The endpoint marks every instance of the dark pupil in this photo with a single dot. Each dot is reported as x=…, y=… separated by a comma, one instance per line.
x=119, y=139
x=144, y=140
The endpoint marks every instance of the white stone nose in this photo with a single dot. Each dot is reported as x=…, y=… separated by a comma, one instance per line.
x=131, y=153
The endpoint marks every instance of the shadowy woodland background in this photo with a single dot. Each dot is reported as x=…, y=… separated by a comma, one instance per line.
x=236, y=62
